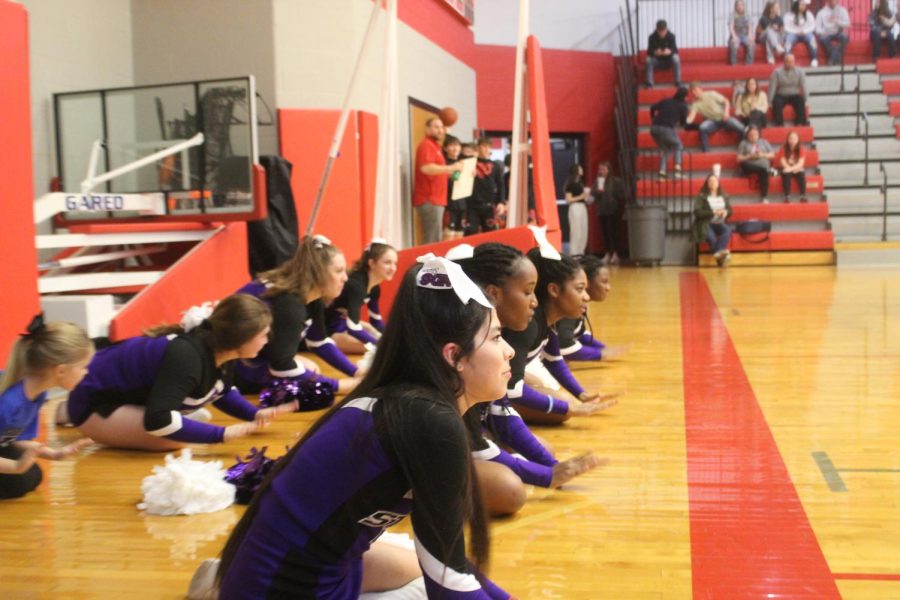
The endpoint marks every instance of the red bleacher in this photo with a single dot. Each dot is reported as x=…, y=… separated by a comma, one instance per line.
x=704, y=161
x=691, y=139
x=711, y=64
x=709, y=67
x=812, y=211
x=733, y=186
x=644, y=119
x=781, y=241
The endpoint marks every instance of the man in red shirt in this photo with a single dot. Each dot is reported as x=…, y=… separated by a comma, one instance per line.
x=430, y=185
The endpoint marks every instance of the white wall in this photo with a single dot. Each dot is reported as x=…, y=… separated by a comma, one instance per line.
x=179, y=40
x=562, y=24
x=74, y=45
x=316, y=45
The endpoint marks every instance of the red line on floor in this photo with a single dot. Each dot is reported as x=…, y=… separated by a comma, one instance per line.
x=750, y=537
x=868, y=576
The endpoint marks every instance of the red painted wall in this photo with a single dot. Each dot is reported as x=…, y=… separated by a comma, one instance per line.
x=19, y=270
x=580, y=95
x=437, y=22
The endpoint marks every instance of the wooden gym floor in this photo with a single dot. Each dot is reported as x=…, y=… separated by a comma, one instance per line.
x=754, y=455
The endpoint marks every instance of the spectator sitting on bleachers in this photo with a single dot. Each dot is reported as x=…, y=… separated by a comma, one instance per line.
x=711, y=211
x=752, y=105
x=882, y=23
x=787, y=85
x=715, y=109
x=754, y=154
x=792, y=160
x=770, y=31
x=800, y=26
x=662, y=53
x=667, y=114
x=832, y=25
x=739, y=30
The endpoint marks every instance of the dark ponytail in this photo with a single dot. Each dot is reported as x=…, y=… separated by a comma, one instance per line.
x=408, y=365
x=552, y=271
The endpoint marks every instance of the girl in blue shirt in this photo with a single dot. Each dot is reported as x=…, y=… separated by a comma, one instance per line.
x=50, y=355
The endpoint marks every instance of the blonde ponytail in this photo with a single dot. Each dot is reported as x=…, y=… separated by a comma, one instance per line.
x=46, y=345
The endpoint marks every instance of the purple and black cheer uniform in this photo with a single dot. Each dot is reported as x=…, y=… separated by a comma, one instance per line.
x=538, y=339
x=170, y=376
x=18, y=422
x=344, y=314
x=341, y=490
x=576, y=342
x=292, y=322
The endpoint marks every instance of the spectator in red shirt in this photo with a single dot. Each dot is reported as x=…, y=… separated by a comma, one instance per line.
x=430, y=185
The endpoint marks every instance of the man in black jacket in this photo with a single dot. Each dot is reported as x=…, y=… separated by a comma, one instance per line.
x=487, y=193
x=667, y=115
x=662, y=53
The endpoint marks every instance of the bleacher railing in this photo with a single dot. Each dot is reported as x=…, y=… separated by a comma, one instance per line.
x=704, y=23
x=675, y=194
x=626, y=95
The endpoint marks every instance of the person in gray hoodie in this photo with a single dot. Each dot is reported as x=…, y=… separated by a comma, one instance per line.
x=787, y=85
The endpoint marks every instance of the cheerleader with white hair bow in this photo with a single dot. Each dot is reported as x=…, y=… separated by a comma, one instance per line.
x=396, y=446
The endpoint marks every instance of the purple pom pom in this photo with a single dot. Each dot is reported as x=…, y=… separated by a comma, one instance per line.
x=247, y=475
x=311, y=393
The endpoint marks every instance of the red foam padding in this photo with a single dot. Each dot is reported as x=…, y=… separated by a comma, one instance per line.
x=649, y=188
x=644, y=119
x=305, y=136
x=544, y=187
x=212, y=269
x=703, y=162
x=518, y=237
x=811, y=211
x=19, y=272
x=368, y=171
x=691, y=139
x=782, y=241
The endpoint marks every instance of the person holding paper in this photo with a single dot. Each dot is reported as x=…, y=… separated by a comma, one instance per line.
x=430, y=185
x=711, y=211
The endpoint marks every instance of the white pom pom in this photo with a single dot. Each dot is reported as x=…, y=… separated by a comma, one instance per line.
x=186, y=487
x=196, y=315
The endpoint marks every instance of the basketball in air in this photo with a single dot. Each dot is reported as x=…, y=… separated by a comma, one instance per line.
x=448, y=116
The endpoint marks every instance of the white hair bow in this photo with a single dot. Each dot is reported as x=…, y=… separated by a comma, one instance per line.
x=195, y=315
x=376, y=240
x=438, y=273
x=461, y=252
x=320, y=241
x=547, y=249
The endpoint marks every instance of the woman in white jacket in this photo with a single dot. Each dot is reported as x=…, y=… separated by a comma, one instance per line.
x=800, y=26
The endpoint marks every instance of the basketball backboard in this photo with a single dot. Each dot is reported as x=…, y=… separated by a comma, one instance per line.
x=101, y=131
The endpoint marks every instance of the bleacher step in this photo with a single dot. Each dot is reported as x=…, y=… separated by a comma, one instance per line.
x=772, y=259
